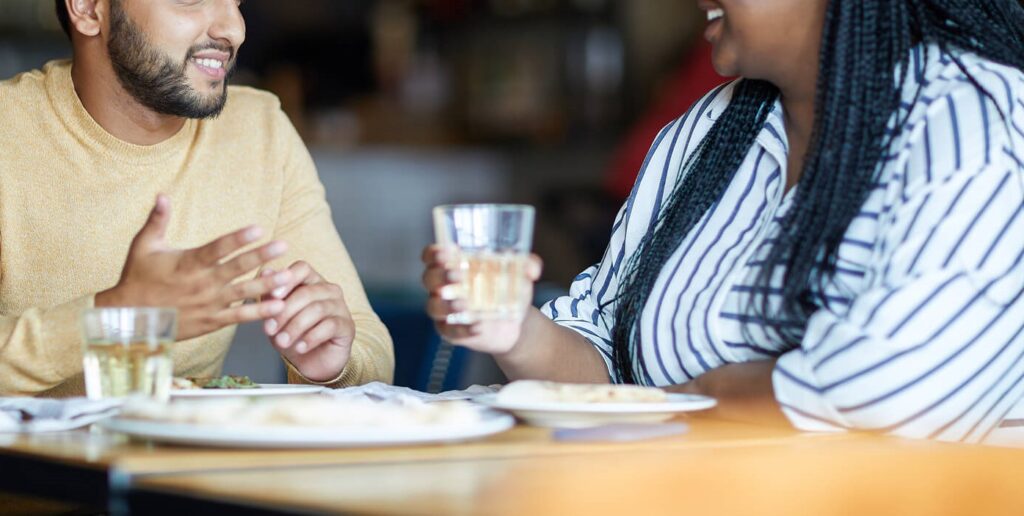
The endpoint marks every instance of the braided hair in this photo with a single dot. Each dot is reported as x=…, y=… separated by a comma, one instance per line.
x=864, y=43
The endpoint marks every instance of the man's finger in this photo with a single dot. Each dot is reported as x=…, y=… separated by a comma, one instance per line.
x=302, y=274
x=300, y=323
x=296, y=302
x=255, y=289
x=310, y=274
x=253, y=312
x=212, y=253
x=250, y=260
x=326, y=330
x=153, y=230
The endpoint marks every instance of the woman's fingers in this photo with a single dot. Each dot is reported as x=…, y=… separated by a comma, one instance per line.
x=439, y=308
x=457, y=333
x=534, y=267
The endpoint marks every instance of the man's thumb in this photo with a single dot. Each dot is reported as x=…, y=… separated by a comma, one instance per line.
x=155, y=228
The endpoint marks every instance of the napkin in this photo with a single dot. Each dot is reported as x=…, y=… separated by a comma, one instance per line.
x=1011, y=430
x=31, y=415
x=378, y=391
x=1016, y=415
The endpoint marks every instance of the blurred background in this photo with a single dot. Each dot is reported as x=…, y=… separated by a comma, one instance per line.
x=407, y=104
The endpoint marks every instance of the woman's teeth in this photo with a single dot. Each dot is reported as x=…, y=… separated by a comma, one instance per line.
x=715, y=14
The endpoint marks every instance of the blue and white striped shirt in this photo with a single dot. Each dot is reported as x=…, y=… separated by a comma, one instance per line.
x=922, y=334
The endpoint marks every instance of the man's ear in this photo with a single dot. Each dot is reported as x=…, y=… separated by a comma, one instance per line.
x=85, y=16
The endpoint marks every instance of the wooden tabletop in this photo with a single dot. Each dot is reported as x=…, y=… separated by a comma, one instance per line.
x=90, y=459
x=103, y=450
x=858, y=475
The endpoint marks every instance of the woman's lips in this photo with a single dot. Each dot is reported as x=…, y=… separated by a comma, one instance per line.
x=713, y=30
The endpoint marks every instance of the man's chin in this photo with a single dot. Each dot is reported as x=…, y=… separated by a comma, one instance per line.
x=213, y=111
x=210, y=106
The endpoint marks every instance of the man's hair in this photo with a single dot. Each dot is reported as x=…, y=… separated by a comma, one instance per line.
x=62, y=16
x=864, y=44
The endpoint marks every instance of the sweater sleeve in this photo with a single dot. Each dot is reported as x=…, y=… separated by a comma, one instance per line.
x=305, y=224
x=41, y=348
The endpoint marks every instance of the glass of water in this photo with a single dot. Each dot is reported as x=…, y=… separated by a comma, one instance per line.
x=493, y=243
x=127, y=352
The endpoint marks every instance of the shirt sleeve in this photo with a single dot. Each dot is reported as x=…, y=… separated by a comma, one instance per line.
x=589, y=308
x=41, y=348
x=581, y=312
x=935, y=350
x=305, y=224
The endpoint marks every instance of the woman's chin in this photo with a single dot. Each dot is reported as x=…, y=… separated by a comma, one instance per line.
x=725, y=68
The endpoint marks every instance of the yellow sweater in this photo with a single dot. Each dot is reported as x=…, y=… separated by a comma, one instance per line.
x=72, y=198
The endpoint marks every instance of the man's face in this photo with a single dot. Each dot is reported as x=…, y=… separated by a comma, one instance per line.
x=175, y=56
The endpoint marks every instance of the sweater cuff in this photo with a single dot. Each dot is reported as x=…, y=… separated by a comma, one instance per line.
x=348, y=376
x=62, y=336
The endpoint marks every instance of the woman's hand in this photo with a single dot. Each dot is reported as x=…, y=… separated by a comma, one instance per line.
x=441, y=278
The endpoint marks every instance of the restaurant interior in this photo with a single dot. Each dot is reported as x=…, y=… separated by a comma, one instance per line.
x=414, y=104
x=406, y=105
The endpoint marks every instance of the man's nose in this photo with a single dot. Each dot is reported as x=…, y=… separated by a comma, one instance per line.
x=227, y=23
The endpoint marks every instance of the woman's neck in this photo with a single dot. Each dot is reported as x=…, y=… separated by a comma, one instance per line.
x=798, y=109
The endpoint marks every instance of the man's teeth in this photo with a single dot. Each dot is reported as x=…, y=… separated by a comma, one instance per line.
x=715, y=14
x=210, y=63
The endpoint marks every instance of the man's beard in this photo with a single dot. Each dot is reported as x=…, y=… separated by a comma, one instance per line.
x=154, y=79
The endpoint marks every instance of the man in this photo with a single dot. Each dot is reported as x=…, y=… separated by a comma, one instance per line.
x=143, y=112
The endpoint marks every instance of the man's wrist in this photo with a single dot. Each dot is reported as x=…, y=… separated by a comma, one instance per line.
x=320, y=377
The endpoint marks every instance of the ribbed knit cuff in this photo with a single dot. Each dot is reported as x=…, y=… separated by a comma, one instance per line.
x=62, y=336
x=348, y=376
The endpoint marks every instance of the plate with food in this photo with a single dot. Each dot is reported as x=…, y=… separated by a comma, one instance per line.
x=305, y=422
x=567, y=405
x=234, y=386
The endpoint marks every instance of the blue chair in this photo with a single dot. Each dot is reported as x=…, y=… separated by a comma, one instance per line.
x=422, y=361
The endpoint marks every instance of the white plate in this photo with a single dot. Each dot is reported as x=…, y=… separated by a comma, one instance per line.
x=265, y=389
x=581, y=415
x=308, y=437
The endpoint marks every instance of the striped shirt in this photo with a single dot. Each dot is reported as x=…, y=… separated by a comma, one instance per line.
x=920, y=332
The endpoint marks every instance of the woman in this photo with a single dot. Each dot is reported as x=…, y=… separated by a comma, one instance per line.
x=836, y=239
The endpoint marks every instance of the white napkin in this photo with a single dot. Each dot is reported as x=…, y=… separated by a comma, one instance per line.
x=378, y=391
x=52, y=415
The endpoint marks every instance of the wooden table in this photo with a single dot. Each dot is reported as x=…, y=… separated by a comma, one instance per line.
x=87, y=466
x=859, y=475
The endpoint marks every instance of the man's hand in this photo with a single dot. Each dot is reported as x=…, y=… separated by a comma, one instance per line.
x=315, y=330
x=199, y=282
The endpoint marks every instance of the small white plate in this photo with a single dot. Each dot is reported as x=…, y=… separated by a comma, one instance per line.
x=264, y=389
x=581, y=415
x=308, y=437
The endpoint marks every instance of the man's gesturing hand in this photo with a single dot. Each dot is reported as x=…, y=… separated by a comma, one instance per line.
x=199, y=282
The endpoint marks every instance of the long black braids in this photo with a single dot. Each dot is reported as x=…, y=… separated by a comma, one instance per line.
x=864, y=44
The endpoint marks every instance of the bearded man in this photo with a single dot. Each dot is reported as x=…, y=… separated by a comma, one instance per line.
x=94, y=154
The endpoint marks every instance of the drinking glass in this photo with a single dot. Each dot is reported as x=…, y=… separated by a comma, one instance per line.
x=127, y=351
x=493, y=244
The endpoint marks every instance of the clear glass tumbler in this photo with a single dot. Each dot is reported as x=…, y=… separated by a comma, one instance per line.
x=127, y=352
x=493, y=243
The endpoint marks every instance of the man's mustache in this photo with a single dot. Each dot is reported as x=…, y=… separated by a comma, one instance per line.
x=212, y=46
